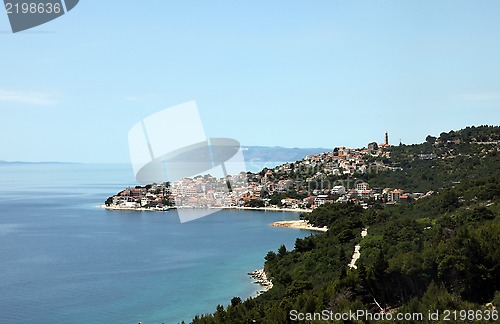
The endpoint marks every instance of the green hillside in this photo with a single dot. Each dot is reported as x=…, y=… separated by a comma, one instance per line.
x=440, y=162
x=437, y=253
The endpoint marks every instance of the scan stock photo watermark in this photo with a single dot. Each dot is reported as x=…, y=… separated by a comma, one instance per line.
x=26, y=14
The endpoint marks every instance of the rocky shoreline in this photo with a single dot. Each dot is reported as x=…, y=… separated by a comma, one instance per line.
x=260, y=277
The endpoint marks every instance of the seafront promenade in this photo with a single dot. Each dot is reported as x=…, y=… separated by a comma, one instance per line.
x=271, y=209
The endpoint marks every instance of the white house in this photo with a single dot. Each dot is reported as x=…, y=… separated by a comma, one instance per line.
x=338, y=190
x=361, y=186
x=320, y=200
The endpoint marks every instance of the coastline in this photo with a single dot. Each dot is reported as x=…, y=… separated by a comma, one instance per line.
x=260, y=277
x=296, y=224
x=132, y=208
x=299, y=224
x=297, y=210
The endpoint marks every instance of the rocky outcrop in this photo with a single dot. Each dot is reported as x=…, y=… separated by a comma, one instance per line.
x=261, y=278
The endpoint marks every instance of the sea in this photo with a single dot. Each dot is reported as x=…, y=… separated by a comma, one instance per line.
x=63, y=260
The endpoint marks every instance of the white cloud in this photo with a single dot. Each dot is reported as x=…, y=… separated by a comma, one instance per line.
x=29, y=97
x=480, y=96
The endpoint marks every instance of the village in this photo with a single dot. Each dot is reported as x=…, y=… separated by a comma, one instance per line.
x=299, y=186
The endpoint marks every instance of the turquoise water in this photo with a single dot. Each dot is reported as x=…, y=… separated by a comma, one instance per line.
x=62, y=260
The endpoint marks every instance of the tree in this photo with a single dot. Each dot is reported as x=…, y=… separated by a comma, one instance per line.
x=109, y=201
x=430, y=139
x=235, y=301
x=304, y=245
x=450, y=201
x=282, y=250
x=270, y=257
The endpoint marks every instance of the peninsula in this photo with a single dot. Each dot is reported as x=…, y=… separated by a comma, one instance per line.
x=339, y=176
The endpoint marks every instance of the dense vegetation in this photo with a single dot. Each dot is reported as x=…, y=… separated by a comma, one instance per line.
x=440, y=162
x=439, y=252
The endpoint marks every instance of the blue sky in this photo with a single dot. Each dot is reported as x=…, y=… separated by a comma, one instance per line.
x=271, y=73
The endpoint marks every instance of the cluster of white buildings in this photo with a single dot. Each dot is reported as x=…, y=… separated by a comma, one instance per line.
x=307, y=183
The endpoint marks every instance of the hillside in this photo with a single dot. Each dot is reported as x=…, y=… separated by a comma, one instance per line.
x=440, y=162
x=441, y=252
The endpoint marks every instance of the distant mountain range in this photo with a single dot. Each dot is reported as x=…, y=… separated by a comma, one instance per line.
x=251, y=153
x=23, y=162
x=278, y=153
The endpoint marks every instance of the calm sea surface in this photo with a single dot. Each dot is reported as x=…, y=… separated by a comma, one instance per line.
x=62, y=260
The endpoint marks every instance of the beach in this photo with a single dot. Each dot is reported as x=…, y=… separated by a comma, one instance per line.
x=300, y=224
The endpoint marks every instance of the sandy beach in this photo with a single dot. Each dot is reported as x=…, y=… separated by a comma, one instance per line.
x=300, y=224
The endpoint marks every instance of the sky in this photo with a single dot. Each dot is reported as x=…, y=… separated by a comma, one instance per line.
x=269, y=73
